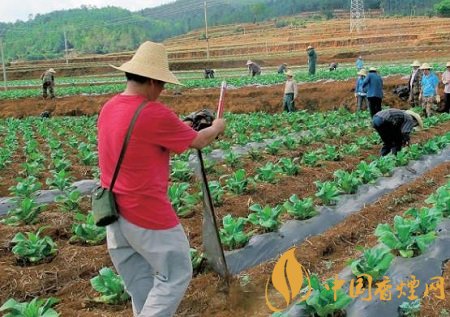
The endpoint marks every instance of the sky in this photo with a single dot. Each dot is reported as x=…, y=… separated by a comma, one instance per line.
x=11, y=11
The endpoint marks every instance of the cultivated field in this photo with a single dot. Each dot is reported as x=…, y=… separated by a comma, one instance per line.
x=317, y=169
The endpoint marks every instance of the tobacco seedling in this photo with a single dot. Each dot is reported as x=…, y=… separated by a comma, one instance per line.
x=181, y=200
x=180, y=171
x=197, y=258
x=267, y=173
x=274, y=147
x=238, y=182
x=232, y=234
x=324, y=301
x=328, y=192
x=36, y=308
x=346, y=182
x=374, y=262
x=110, y=286
x=300, y=208
x=31, y=248
x=403, y=238
x=86, y=231
x=25, y=212
x=386, y=164
x=409, y=309
x=289, y=166
x=267, y=217
x=69, y=200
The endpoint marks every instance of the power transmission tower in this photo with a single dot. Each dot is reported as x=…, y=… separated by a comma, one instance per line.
x=357, y=17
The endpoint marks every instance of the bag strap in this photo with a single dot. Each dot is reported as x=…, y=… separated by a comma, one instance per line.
x=125, y=143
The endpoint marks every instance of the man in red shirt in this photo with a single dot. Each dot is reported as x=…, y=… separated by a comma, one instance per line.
x=147, y=244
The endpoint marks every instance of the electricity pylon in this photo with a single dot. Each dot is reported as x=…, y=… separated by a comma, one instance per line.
x=357, y=17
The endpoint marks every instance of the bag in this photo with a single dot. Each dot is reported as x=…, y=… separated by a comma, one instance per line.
x=104, y=208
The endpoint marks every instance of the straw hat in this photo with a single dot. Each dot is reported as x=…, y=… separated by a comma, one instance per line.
x=309, y=47
x=416, y=63
x=416, y=116
x=362, y=72
x=425, y=66
x=249, y=62
x=448, y=64
x=372, y=69
x=150, y=60
x=51, y=70
x=289, y=73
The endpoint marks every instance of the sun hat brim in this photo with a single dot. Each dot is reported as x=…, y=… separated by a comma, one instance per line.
x=416, y=116
x=362, y=73
x=134, y=67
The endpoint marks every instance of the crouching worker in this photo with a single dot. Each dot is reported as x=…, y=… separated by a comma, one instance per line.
x=394, y=127
x=209, y=73
x=147, y=244
x=333, y=66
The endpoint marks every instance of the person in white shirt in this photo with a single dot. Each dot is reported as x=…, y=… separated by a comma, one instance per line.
x=290, y=92
x=446, y=82
x=414, y=84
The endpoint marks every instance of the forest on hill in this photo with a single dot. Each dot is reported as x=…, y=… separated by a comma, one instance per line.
x=91, y=30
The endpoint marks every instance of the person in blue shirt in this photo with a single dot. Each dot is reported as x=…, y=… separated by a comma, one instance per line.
x=374, y=85
x=429, y=95
x=359, y=63
x=360, y=92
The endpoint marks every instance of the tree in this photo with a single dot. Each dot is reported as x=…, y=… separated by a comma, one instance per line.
x=443, y=8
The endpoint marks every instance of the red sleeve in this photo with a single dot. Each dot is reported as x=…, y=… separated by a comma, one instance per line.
x=172, y=133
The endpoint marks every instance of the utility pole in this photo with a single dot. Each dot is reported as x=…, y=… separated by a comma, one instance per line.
x=206, y=32
x=3, y=64
x=357, y=17
x=65, y=47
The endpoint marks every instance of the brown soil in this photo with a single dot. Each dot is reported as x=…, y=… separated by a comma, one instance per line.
x=319, y=96
x=67, y=275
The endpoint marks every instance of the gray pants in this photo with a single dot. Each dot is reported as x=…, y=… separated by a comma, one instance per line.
x=154, y=264
x=360, y=100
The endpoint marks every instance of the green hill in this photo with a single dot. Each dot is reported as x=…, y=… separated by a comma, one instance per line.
x=111, y=29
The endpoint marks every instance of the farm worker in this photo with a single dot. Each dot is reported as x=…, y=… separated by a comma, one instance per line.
x=333, y=66
x=312, y=59
x=394, y=127
x=209, y=73
x=282, y=68
x=414, y=84
x=446, y=82
x=147, y=244
x=290, y=92
x=359, y=63
x=253, y=68
x=360, y=91
x=429, y=90
x=374, y=85
x=48, y=82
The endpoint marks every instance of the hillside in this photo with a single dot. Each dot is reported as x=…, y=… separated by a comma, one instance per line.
x=91, y=30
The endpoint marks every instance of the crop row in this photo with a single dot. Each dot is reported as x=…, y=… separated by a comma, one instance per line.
x=239, y=81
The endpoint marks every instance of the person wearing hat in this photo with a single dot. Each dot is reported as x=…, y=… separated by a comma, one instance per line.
x=446, y=82
x=359, y=63
x=360, y=91
x=282, y=68
x=147, y=244
x=429, y=90
x=333, y=66
x=290, y=92
x=312, y=59
x=253, y=68
x=374, y=85
x=394, y=127
x=414, y=84
x=48, y=83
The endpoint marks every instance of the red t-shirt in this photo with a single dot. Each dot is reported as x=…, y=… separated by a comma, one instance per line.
x=141, y=186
